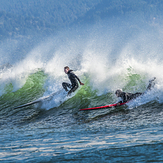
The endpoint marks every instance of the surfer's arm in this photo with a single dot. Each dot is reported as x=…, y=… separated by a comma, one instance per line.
x=119, y=102
x=123, y=99
x=78, y=80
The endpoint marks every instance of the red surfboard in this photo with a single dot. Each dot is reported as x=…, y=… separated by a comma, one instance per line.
x=106, y=106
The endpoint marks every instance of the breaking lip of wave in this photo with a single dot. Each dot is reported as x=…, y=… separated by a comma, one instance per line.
x=87, y=52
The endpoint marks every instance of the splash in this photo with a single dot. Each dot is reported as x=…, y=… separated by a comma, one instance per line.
x=109, y=54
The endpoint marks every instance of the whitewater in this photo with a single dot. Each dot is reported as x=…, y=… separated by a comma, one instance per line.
x=122, y=53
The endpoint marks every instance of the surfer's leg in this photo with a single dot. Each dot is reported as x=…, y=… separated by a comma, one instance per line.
x=151, y=84
x=66, y=85
x=137, y=94
x=73, y=89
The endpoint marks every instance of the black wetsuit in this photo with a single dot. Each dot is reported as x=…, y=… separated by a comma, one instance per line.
x=74, y=84
x=129, y=96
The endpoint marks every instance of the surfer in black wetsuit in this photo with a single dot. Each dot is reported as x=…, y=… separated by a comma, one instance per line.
x=73, y=79
x=129, y=96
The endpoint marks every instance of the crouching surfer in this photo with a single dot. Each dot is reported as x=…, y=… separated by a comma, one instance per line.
x=125, y=97
x=73, y=79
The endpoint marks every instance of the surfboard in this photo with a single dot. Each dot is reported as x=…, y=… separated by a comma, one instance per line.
x=103, y=107
x=39, y=100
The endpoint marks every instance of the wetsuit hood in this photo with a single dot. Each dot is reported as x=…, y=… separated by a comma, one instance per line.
x=118, y=92
x=69, y=71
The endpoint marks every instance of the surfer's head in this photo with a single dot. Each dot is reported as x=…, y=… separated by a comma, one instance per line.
x=66, y=69
x=118, y=92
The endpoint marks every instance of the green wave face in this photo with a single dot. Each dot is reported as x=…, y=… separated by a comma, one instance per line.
x=134, y=82
x=85, y=97
x=32, y=89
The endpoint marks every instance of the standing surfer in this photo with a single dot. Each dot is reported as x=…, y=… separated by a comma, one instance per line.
x=73, y=79
x=125, y=97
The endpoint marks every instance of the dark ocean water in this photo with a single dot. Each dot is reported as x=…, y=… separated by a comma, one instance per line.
x=131, y=133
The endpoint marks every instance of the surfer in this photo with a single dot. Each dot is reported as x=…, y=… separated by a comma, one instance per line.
x=125, y=97
x=72, y=77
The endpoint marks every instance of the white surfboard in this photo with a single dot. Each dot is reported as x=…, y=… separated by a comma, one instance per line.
x=39, y=100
